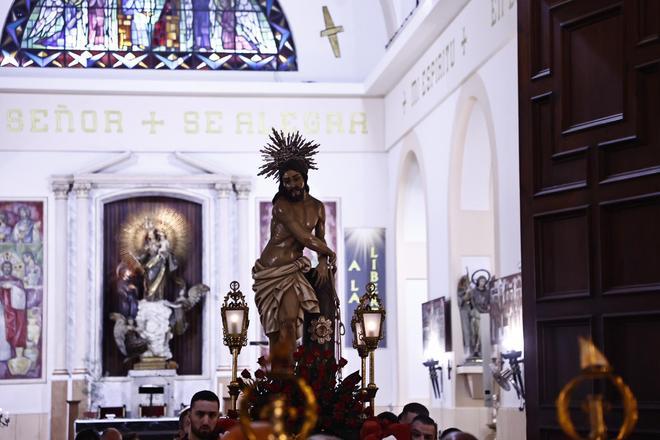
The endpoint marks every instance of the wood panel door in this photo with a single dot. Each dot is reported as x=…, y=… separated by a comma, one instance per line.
x=589, y=75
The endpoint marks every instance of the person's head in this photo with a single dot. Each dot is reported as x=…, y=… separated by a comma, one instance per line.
x=23, y=212
x=293, y=181
x=456, y=434
x=204, y=413
x=423, y=428
x=87, y=434
x=448, y=431
x=412, y=410
x=184, y=423
x=7, y=268
x=387, y=417
x=111, y=434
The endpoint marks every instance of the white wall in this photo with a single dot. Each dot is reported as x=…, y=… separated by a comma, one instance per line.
x=425, y=113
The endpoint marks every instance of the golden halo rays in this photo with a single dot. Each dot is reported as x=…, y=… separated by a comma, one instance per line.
x=134, y=231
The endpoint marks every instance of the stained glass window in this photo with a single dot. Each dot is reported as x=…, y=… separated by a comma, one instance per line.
x=148, y=34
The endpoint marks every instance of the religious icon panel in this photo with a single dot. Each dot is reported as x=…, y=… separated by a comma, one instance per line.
x=21, y=289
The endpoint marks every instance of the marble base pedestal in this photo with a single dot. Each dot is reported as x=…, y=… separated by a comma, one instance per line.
x=164, y=378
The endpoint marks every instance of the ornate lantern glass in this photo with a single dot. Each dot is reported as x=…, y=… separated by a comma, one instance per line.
x=235, y=319
x=356, y=326
x=371, y=317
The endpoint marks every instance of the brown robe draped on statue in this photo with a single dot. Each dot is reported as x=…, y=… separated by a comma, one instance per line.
x=270, y=284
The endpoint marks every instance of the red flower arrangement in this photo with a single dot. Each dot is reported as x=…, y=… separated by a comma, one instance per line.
x=341, y=411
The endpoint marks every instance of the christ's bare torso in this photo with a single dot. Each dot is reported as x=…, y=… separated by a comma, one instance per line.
x=291, y=223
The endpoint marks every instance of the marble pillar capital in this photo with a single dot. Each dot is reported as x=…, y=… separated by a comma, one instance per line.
x=243, y=189
x=82, y=189
x=60, y=188
x=223, y=189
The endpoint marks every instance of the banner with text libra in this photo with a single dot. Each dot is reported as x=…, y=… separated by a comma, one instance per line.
x=365, y=263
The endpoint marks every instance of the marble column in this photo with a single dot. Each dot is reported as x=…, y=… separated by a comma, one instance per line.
x=58, y=407
x=82, y=287
x=243, y=272
x=225, y=261
x=61, y=191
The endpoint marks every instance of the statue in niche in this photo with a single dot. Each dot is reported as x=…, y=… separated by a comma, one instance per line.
x=293, y=298
x=151, y=246
x=473, y=295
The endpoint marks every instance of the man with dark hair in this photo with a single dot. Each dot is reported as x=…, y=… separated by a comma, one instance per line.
x=387, y=418
x=456, y=434
x=412, y=410
x=87, y=434
x=204, y=413
x=423, y=428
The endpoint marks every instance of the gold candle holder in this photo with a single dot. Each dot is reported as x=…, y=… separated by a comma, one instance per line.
x=595, y=366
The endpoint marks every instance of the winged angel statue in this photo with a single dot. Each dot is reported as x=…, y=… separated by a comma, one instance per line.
x=152, y=245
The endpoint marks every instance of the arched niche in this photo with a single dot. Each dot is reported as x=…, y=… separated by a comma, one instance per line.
x=412, y=273
x=473, y=242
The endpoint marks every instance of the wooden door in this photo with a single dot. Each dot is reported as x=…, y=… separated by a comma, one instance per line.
x=589, y=74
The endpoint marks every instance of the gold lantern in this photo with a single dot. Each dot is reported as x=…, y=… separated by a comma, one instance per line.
x=235, y=322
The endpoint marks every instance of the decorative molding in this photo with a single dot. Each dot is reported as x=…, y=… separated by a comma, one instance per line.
x=203, y=166
x=243, y=188
x=82, y=189
x=61, y=188
x=150, y=180
x=223, y=189
x=104, y=164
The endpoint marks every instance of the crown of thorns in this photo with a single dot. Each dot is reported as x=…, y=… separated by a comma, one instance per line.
x=285, y=148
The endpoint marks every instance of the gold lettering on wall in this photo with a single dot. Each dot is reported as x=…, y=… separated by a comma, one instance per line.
x=287, y=121
x=62, y=119
x=191, y=122
x=244, y=119
x=37, y=124
x=89, y=121
x=358, y=119
x=60, y=112
x=113, y=117
x=312, y=123
x=334, y=123
x=213, y=121
x=14, y=120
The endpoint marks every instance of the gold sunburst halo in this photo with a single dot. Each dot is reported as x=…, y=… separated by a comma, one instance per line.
x=133, y=233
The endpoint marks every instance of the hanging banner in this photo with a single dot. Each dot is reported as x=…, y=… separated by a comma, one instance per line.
x=365, y=263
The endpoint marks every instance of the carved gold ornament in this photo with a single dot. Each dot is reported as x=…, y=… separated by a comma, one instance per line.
x=321, y=330
x=595, y=366
x=279, y=411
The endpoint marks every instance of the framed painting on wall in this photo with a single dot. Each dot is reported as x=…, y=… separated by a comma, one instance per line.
x=506, y=313
x=435, y=322
x=22, y=289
